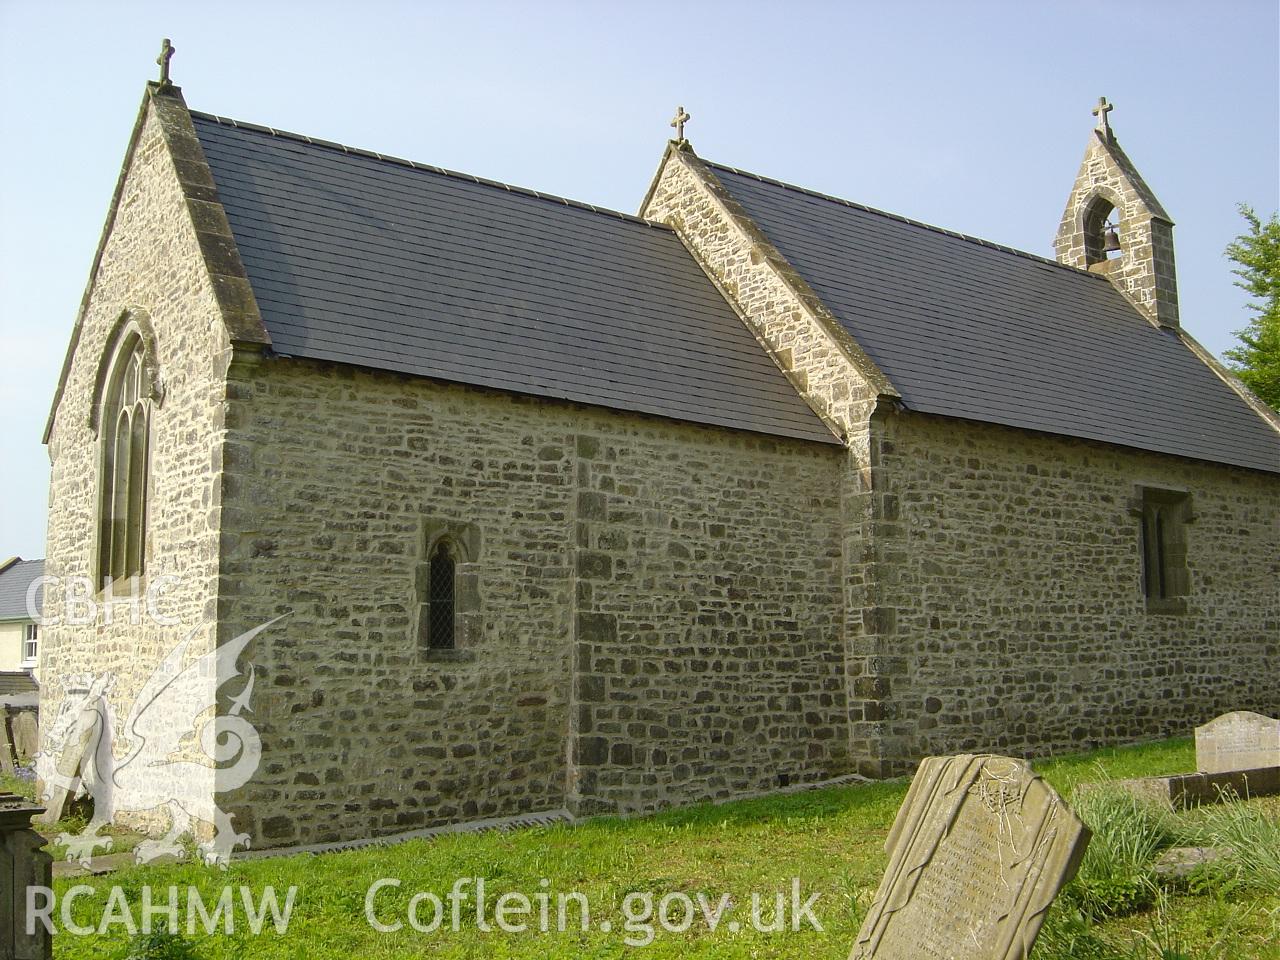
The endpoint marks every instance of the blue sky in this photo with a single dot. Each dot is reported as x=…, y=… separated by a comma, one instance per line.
x=972, y=116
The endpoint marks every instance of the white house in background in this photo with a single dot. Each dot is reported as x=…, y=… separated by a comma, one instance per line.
x=19, y=632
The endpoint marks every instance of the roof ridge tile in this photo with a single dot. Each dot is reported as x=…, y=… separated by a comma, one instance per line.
x=852, y=204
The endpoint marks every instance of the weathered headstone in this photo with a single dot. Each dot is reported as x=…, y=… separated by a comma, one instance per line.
x=26, y=733
x=19, y=736
x=978, y=851
x=1180, y=862
x=1238, y=741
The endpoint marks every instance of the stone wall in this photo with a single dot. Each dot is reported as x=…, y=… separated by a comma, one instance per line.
x=150, y=269
x=692, y=573
x=829, y=369
x=1013, y=601
x=710, y=649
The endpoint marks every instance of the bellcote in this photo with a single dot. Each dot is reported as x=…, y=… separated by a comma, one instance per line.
x=1113, y=224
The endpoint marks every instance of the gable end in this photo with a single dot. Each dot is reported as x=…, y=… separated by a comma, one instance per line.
x=836, y=377
x=238, y=308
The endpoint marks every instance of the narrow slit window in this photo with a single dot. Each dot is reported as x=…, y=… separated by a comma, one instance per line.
x=1165, y=578
x=442, y=576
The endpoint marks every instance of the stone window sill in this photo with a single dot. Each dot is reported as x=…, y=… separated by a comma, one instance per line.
x=122, y=590
x=447, y=656
x=1171, y=606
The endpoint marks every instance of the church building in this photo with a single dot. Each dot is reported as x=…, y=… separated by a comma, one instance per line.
x=565, y=509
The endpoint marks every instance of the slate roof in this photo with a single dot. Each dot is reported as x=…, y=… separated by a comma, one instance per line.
x=388, y=264
x=17, y=682
x=14, y=581
x=965, y=328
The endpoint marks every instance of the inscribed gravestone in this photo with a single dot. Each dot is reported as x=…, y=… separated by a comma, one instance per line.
x=1238, y=741
x=26, y=734
x=979, y=849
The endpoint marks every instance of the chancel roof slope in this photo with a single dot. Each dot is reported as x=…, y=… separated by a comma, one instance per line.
x=969, y=329
x=391, y=265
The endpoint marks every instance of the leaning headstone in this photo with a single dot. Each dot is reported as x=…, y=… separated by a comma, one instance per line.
x=979, y=849
x=1238, y=741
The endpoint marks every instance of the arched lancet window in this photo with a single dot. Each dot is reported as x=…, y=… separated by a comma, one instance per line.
x=440, y=596
x=1101, y=242
x=449, y=622
x=124, y=420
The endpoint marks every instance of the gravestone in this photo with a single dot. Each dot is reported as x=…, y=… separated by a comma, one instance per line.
x=978, y=851
x=19, y=736
x=26, y=733
x=1238, y=741
x=1183, y=790
x=1179, y=862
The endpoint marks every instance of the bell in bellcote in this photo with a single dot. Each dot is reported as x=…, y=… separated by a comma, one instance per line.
x=1112, y=242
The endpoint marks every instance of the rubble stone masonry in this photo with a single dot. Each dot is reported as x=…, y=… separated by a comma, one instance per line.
x=1012, y=587
x=656, y=619
x=660, y=608
x=151, y=272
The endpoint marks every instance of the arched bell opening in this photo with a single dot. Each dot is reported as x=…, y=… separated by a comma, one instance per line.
x=1101, y=235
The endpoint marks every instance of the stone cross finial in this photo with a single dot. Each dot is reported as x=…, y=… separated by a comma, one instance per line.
x=1101, y=111
x=167, y=50
x=678, y=121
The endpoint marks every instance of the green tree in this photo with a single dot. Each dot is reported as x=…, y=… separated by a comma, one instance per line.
x=1257, y=360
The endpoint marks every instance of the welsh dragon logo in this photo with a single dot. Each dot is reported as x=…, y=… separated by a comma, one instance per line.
x=81, y=758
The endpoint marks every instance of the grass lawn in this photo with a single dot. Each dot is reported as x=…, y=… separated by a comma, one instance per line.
x=830, y=840
x=122, y=839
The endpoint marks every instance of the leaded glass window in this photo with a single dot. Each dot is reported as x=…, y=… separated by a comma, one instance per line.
x=125, y=421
